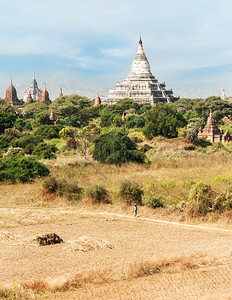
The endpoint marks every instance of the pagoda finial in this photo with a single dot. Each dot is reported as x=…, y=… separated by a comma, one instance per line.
x=140, y=40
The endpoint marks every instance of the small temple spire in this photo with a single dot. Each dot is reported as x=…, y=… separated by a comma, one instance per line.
x=97, y=100
x=61, y=93
x=123, y=117
x=51, y=116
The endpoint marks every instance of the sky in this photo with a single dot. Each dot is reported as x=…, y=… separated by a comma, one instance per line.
x=88, y=46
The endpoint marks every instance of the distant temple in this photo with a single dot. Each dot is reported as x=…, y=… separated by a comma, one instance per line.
x=140, y=85
x=97, y=100
x=212, y=133
x=11, y=96
x=45, y=95
x=33, y=93
x=61, y=93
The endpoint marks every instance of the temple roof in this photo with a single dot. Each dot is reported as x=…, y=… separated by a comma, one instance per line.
x=11, y=95
x=44, y=95
x=140, y=66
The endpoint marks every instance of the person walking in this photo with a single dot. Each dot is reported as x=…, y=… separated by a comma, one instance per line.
x=135, y=210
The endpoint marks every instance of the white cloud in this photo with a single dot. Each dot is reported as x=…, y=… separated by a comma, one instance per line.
x=116, y=52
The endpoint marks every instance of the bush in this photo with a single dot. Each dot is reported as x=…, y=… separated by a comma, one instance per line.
x=21, y=169
x=71, y=144
x=202, y=200
x=45, y=151
x=169, y=184
x=47, y=131
x=154, y=201
x=115, y=147
x=136, y=137
x=131, y=192
x=27, y=142
x=69, y=190
x=50, y=185
x=99, y=194
x=13, y=152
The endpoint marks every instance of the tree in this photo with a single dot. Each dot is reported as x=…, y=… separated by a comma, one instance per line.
x=48, y=131
x=31, y=110
x=7, y=120
x=115, y=147
x=163, y=120
x=43, y=118
x=66, y=133
x=45, y=151
x=85, y=138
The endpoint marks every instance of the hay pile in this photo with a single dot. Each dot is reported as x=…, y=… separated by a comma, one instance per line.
x=85, y=244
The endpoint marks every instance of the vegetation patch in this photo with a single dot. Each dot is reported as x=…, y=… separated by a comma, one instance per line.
x=131, y=192
x=69, y=190
x=21, y=169
x=98, y=194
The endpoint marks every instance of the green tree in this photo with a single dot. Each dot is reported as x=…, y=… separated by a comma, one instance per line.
x=163, y=120
x=48, y=131
x=43, y=118
x=31, y=110
x=45, y=151
x=115, y=147
x=85, y=138
x=7, y=120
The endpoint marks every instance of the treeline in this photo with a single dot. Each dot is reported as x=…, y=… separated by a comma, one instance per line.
x=30, y=132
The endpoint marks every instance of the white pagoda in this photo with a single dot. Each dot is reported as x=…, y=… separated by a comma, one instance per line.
x=140, y=85
x=33, y=92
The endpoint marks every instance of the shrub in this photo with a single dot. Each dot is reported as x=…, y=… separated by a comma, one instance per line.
x=21, y=169
x=50, y=185
x=99, y=194
x=155, y=201
x=69, y=190
x=27, y=142
x=115, y=147
x=47, y=131
x=136, y=137
x=131, y=192
x=45, y=151
x=202, y=200
x=71, y=144
x=13, y=152
x=168, y=184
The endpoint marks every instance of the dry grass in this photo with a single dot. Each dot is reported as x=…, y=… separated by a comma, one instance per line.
x=102, y=279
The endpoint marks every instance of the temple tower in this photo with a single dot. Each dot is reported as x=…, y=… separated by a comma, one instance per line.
x=61, y=93
x=11, y=95
x=97, y=100
x=45, y=95
x=33, y=90
x=212, y=133
x=140, y=85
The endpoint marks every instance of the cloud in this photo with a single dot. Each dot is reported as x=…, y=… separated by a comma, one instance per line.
x=116, y=52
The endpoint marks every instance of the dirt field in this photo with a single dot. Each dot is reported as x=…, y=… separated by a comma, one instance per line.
x=131, y=241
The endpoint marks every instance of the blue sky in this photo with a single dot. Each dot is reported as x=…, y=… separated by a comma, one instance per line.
x=87, y=46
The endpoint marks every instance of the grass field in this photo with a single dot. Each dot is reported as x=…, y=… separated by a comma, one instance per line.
x=145, y=260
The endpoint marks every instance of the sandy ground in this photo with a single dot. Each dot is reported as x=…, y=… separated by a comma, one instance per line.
x=132, y=240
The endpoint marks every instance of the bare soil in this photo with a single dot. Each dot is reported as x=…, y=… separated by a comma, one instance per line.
x=131, y=240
